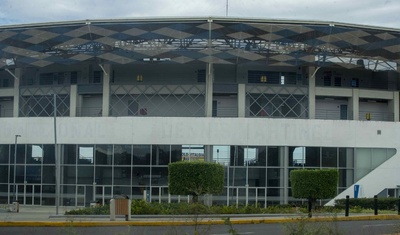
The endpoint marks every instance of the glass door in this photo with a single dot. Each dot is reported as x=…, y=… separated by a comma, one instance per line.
x=104, y=193
x=32, y=195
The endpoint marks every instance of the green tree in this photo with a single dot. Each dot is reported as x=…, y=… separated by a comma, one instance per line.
x=195, y=178
x=317, y=184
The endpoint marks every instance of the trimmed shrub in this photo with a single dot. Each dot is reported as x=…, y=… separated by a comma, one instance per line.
x=195, y=178
x=319, y=184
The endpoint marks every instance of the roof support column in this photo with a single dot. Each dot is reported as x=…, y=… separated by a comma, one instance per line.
x=354, y=104
x=311, y=91
x=106, y=89
x=209, y=89
x=394, y=106
x=73, y=99
x=241, y=100
x=17, y=80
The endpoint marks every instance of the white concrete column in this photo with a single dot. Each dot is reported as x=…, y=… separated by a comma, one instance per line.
x=284, y=157
x=73, y=99
x=209, y=89
x=17, y=73
x=241, y=100
x=394, y=106
x=106, y=90
x=311, y=92
x=354, y=102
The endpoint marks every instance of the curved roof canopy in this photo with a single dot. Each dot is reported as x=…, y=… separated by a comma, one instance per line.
x=216, y=40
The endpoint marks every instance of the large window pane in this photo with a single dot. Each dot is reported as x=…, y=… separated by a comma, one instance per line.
x=237, y=156
x=85, y=154
x=20, y=153
x=312, y=157
x=104, y=175
x=85, y=174
x=239, y=176
x=255, y=156
x=4, y=174
x=346, y=157
x=329, y=157
x=122, y=175
x=176, y=153
x=4, y=153
x=103, y=155
x=141, y=176
x=160, y=154
x=159, y=176
x=34, y=154
x=141, y=155
x=261, y=153
x=69, y=173
x=69, y=154
x=273, y=156
x=48, y=154
x=193, y=153
x=123, y=155
x=256, y=177
x=273, y=177
x=33, y=174
x=20, y=176
x=221, y=154
x=49, y=176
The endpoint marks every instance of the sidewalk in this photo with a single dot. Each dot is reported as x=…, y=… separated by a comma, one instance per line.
x=33, y=216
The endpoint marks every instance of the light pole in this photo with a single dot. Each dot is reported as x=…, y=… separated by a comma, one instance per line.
x=15, y=166
x=57, y=160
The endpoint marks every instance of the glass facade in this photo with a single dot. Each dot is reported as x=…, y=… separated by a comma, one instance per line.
x=256, y=174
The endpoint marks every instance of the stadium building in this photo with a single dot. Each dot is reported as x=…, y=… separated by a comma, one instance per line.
x=95, y=108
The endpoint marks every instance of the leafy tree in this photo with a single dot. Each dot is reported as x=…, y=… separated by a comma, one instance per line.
x=317, y=184
x=195, y=178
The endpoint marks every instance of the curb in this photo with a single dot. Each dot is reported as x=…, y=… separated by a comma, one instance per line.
x=190, y=222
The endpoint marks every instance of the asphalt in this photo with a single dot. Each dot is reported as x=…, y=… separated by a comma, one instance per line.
x=45, y=216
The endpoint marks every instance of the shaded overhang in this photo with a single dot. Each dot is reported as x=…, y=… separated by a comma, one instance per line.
x=207, y=40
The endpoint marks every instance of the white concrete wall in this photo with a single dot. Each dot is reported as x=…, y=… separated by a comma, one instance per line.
x=207, y=131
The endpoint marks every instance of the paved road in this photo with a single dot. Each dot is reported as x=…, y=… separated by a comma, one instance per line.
x=347, y=227
x=28, y=219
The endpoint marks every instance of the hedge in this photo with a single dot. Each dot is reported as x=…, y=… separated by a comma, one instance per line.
x=195, y=178
x=368, y=203
x=319, y=184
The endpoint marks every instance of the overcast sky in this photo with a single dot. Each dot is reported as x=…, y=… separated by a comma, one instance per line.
x=384, y=13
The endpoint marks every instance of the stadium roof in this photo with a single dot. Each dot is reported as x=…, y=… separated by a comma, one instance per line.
x=191, y=40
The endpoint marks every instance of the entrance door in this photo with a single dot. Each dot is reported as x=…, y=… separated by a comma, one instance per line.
x=81, y=195
x=33, y=194
x=26, y=194
x=104, y=193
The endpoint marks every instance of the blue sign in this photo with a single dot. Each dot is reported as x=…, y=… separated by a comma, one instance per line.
x=356, y=190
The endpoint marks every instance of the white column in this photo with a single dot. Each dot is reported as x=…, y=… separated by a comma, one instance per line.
x=73, y=99
x=241, y=100
x=18, y=73
x=311, y=92
x=209, y=89
x=394, y=106
x=284, y=157
x=354, y=102
x=106, y=90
